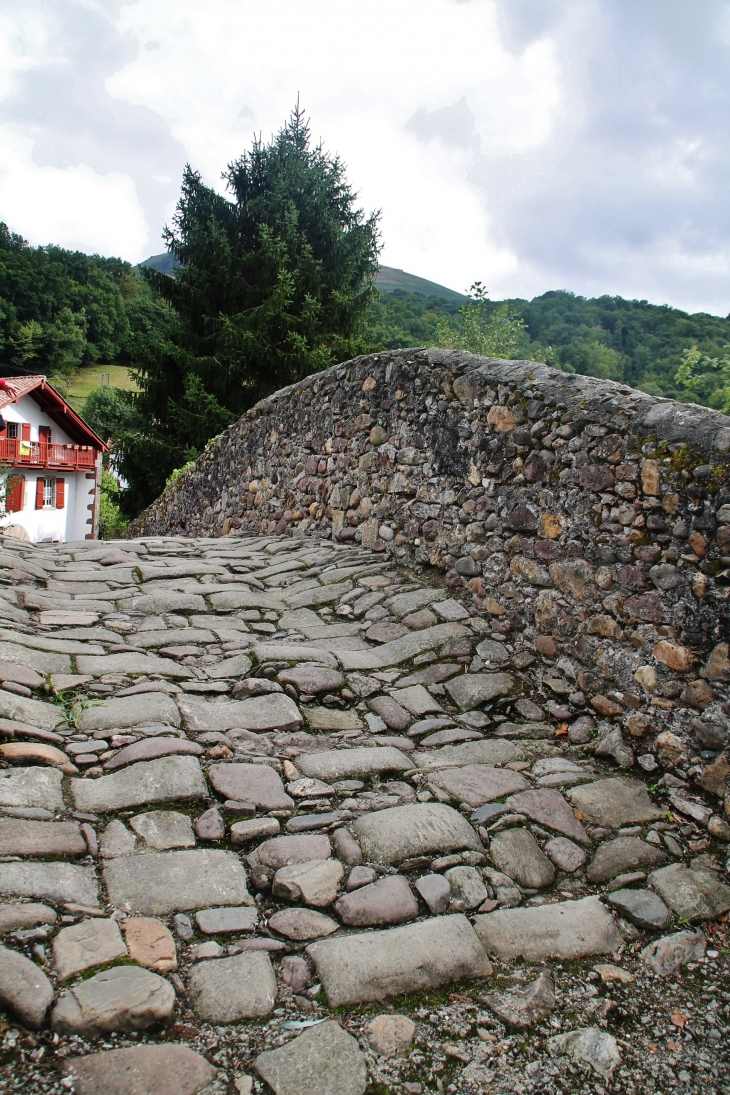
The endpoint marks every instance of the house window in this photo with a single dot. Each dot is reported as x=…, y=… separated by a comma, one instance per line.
x=12, y=430
x=50, y=493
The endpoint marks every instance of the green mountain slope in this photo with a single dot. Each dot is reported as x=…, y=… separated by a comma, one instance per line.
x=165, y=263
x=388, y=280
x=632, y=341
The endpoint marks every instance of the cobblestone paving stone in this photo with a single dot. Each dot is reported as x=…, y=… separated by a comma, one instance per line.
x=244, y=836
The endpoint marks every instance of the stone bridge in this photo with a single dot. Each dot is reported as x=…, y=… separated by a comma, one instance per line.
x=413, y=781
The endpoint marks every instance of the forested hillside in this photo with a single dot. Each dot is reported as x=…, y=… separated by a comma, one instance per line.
x=61, y=309
x=633, y=341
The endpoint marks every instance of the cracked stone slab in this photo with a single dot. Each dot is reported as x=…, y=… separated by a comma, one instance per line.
x=387, y=901
x=356, y=969
x=46, y=716
x=148, y=572
x=132, y=664
x=155, y=604
x=19, y=917
x=325, y=1060
x=122, y=998
x=281, y=851
x=151, y=748
x=49, y=644
x=329, y=718
x=404, y=603
x=150, y=943
x=476, y=784
x=335, y=764
x=166, y=779
x=173, y=635
x=403, y=649
x=316, y=595
x=641, y=907
x=257, y=783
x=226, y=990
x=517, y=854
x=693, y=895
x=473, y=752
x=472, y=689
x=424, y=828
x=90, y=943
x=41, y=661
x=273, y=711
x=20, y=675
x=523, y=1008
x=315, y=883
x=237, y=666
x=293, y=652
x=35, y=788
x=169, y=882
x=57, y=882
x=526, y=731
x=146, y=709
x=625, y=853
x=117, y=840
x=20, y=837
x=24, y=988
x=231, y=600
x=548, y=807
x=302, y=925
x=614, y=802
x=140, y=1070
x=226, y=920
x=567, y=929
x=164, y=829
x=418, y=700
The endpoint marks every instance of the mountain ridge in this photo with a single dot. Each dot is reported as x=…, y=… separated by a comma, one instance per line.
x=389, y=279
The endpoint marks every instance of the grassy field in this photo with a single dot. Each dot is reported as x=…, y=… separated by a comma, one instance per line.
x=90, y=378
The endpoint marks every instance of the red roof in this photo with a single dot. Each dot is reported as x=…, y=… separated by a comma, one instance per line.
x=56, y=407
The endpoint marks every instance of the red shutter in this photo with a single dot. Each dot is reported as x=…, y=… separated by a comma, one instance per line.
x=39, y=486
x=60, y=493
x=15, y=493
x=25, y=436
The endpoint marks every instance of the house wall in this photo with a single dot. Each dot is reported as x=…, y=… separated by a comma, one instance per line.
x=69, y=523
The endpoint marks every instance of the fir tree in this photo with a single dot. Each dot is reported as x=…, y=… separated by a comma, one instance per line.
x=272, y=285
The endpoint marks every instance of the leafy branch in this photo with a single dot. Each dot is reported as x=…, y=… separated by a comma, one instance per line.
x=498, y=333
x=697, y=368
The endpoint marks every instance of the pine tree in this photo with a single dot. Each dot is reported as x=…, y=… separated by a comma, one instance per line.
x=271, y=286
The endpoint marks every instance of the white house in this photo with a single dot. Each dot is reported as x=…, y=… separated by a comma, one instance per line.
x=51, y=461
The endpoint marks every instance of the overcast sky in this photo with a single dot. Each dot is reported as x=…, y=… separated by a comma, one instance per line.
x=531, y=144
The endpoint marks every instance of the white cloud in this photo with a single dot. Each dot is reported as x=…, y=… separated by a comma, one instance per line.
x=22, y=43
x=74, y=208
x=225, y=72
x=577, y=144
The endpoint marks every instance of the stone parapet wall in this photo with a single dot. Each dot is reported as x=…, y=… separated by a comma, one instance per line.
x=575, y=510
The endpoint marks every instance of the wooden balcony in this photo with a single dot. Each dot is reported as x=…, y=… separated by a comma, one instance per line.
x=33, y=454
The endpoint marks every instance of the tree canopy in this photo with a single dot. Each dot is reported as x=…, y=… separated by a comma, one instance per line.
x=272, y=284
x=60, y=309
x=632, y=341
